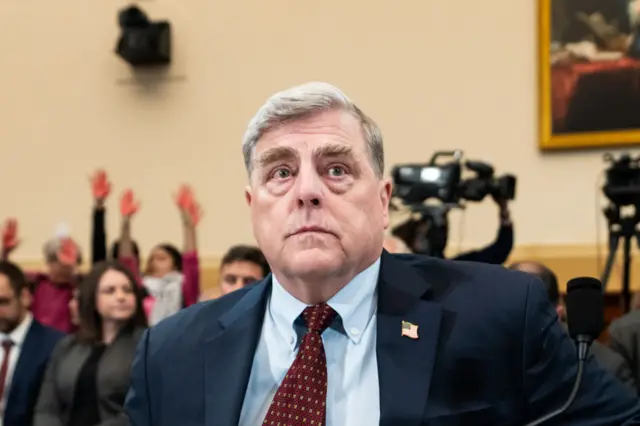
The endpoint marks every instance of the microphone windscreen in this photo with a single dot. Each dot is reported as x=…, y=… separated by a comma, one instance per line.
x=585, y=307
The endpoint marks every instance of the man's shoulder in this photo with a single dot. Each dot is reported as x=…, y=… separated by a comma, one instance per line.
x=467, y=275
x=605, y=356
x=45, y=334
x=629, y=322
x=195, y=318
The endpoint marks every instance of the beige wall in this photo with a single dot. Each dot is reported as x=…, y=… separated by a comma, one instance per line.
x=435, y=75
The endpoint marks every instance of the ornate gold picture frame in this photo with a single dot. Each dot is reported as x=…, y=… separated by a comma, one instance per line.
x=589, y=59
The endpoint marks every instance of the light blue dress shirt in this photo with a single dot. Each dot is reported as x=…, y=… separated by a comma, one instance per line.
x=353, y=395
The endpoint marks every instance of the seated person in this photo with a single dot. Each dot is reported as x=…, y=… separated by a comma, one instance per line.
x=171, y=278
x=25, y=348
x=53, y=289
x=88, y=376
x=624, y=339
x=432, y=241
x=605, y=356
x=240, y=266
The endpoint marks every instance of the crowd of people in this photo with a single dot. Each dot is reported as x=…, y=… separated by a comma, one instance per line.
x=68, y=338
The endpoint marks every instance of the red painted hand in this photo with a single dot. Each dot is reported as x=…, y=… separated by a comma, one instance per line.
x=100, y=185
x=128, y=205
x=68, y=252
x=10, y=235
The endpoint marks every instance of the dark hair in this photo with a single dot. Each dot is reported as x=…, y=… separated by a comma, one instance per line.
x=175, y=254
x=241, y=253
x=115, y=250
x=90, y=327
x=17, y=279
x=547, y=276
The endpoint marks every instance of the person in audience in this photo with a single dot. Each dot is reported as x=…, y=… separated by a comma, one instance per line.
x=25, y=348
x=101, y=189
x=381, y=338
x=53, y=289
x=624, y=338
x=73, y=308
x=604, y=355
x=88, y=375
x=395, y=245
x=240, y=266
x=171, y=278
x=496, y=253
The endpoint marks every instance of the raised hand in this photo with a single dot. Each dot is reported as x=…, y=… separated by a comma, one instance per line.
x=128, y=204
x=100, y=185
x=184, y=198
x=193, y=213
x=68, y=252
x=188, y=205
x=9, y=236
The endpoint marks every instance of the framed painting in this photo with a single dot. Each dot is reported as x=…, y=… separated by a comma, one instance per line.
x=589, y=58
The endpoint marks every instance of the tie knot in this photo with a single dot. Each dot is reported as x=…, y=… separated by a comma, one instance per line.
x=318, y=317
x=7, y=344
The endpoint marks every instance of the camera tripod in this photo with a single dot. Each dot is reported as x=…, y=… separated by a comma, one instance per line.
x=625, y=227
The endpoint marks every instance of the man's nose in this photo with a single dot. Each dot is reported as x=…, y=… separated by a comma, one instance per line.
x=309, y=188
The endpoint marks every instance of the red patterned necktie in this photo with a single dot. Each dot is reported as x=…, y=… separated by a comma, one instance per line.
x=302, y=395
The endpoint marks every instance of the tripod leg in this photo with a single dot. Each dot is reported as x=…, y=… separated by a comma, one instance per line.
x=614, y=239
x=626, y=274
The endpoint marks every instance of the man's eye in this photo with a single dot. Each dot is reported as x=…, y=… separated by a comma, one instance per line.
x=336, y=171
x=282, y=173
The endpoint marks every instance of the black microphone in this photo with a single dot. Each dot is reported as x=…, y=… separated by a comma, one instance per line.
x=585, y=320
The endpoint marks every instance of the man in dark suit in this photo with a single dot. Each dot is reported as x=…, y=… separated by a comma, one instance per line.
x=606, y=357
x=344, y=333
x=25, y=347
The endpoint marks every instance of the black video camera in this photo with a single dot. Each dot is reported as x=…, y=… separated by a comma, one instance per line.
x=415, y=183
x=622, y=186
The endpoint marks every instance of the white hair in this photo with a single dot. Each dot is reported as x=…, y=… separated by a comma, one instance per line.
x=302, y=101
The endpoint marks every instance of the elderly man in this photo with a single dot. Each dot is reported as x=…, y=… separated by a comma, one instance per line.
x=344, y=333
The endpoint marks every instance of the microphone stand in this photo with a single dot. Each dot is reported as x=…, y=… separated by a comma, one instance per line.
x=584, y=342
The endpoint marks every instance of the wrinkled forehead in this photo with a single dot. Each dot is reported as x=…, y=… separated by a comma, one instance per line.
x=326, y=134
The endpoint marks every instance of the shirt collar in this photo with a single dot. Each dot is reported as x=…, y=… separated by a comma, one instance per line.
x=19, y=333
x=355, y=303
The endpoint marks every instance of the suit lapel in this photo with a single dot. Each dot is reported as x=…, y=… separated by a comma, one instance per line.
x=26, y=367
x=405, y=365
x=228, y=354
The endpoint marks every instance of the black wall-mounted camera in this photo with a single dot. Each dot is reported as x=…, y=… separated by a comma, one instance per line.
x=143, y=42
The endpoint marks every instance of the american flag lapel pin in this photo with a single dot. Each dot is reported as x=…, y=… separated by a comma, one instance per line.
x=409, y=330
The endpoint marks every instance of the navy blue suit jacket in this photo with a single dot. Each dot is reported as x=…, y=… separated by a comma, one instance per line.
x=490, y=352
x=28, y=374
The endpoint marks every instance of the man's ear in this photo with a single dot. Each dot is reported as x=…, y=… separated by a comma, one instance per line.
x=247, y=195
x=26, y=298
x=385, y=199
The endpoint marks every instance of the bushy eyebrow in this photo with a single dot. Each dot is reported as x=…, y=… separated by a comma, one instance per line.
x=334, y=151
x=273, y=155
x=284, y=154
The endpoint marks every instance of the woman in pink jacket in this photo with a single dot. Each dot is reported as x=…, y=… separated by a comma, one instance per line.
x=171, y=278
